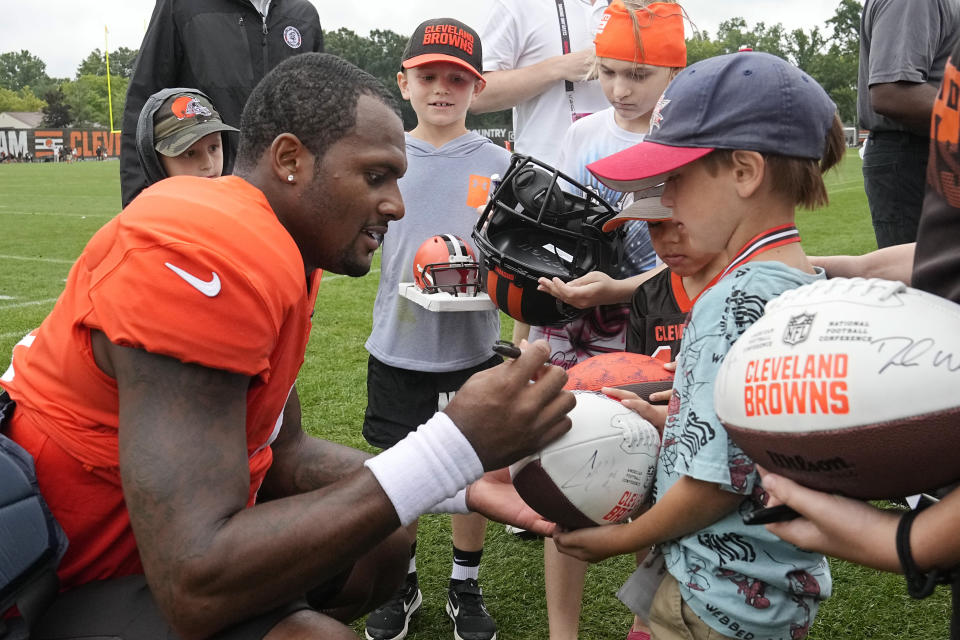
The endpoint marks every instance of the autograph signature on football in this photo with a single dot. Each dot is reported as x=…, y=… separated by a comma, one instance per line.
x=910, y=352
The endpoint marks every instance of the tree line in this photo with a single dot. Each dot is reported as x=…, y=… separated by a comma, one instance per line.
x=830, y=54
x=81, y=101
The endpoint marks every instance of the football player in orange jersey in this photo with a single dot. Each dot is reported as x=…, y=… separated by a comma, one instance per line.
x=158, y=396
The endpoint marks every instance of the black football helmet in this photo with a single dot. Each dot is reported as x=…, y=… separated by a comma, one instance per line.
x=535, y=225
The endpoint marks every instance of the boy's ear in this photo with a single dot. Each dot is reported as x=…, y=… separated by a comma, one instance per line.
x=402, y=83
x=749, y=169
x=478, y=85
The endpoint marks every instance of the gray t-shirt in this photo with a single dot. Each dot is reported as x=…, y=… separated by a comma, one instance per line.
x=903, y=40
x=440, y=193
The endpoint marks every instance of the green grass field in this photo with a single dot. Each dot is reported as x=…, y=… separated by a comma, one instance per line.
x=49, y=211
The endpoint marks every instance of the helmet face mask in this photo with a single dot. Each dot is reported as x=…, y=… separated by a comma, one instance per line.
x=542, y=224
x=446, y=264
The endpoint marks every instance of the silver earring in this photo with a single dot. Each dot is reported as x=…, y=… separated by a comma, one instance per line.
x=290, y=178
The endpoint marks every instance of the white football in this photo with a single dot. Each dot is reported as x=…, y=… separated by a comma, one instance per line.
x=849, y=386
x=599, y=472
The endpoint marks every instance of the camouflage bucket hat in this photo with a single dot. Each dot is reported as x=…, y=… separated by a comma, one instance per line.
x=182, y=119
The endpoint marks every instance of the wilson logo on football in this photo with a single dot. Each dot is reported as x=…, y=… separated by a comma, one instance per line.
x=799, y=463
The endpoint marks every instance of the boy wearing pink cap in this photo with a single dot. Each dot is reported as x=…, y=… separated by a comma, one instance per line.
x=738, y=142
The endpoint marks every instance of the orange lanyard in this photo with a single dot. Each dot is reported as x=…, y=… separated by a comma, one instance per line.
x=764, y=241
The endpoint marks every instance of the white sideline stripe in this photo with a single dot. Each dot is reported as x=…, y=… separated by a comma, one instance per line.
x=4, y=256
x=842, y=189
x=59, y=215
x=32, y=303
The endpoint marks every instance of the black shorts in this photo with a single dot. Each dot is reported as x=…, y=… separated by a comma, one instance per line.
x=400, y=400
x=124, y=609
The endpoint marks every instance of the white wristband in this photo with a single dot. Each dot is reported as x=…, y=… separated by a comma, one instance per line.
x=427, y=467
x=456, y=504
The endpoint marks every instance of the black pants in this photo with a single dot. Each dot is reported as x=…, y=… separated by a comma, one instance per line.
x=124, y=609
x=895, y=179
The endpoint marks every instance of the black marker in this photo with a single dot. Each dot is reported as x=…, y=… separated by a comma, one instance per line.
x=506, y=349
x=768, y=515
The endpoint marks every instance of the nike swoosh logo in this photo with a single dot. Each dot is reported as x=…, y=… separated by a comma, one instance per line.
x=455, y=610
x=209, y=288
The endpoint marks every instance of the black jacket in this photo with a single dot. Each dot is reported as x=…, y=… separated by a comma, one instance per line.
x=221, y=47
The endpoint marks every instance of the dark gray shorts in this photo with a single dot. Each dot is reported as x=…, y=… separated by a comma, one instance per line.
x=124, y=609
x=400, y=400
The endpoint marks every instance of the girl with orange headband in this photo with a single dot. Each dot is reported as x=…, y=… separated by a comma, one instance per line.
x=639, y=47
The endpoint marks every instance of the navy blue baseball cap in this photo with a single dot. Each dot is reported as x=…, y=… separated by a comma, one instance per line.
x=746, y=100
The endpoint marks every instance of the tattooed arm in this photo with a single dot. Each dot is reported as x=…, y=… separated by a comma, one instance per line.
x=209, y=561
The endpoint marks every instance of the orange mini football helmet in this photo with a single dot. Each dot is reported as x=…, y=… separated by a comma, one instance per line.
x=445, y=263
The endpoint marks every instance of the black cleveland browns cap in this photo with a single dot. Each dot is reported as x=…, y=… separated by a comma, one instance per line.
x=444, y=40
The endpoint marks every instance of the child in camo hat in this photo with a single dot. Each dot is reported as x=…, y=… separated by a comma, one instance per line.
x=179, y=133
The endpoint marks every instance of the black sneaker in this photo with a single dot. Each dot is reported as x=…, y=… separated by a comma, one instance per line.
x=471, y=620
x=390, y=620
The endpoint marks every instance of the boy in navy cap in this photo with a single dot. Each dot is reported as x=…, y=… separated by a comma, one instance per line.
x=739, y=141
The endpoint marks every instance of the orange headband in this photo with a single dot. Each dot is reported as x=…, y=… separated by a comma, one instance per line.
x=660, y=41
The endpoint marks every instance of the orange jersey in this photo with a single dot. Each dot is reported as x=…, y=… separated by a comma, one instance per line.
x=196, y=269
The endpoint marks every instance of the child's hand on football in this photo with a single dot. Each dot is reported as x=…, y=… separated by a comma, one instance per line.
x=663, y=397
x=654, y=414
x=594, y=544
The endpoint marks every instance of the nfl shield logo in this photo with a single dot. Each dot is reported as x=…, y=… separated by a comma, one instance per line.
x=798, y=329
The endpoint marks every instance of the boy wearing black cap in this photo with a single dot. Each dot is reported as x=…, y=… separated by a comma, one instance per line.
x=180, y=133
x=419, y=358
x=739, y=141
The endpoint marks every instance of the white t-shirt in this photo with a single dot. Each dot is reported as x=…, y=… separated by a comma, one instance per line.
x=604, y=329
x=589, y=139
x=520, y=33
